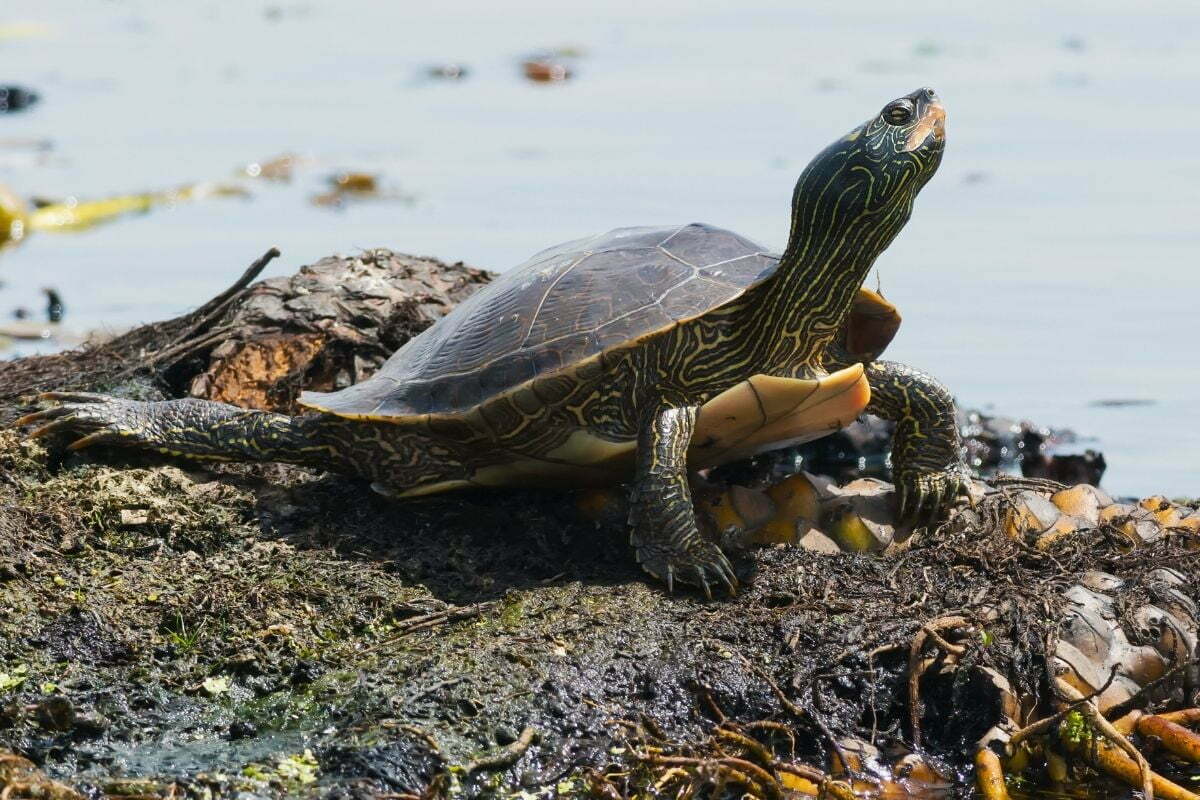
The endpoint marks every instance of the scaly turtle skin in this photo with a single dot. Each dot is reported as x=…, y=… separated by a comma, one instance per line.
x=638, y=354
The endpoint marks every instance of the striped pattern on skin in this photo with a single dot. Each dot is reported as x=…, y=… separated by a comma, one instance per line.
x=663, y=524
x=927, y=455
x=848, y=205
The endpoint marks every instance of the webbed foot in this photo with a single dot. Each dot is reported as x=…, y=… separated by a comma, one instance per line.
x=188, y=427
x=688, y=558
x=925, y=497
x=95, y=418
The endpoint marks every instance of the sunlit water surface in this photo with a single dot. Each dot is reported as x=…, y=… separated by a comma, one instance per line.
x=1051, y=264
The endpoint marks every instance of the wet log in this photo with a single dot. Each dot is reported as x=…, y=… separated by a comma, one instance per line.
x=255, y=345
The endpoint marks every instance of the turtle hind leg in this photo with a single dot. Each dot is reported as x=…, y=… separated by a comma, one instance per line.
x=192, y=428
x=667, y=540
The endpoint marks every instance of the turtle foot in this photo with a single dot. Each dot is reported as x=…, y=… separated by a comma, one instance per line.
x=925, y=497
x=94, y=418
x=692, y=560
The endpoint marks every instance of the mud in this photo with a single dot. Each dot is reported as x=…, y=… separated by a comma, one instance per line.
x=168, y=629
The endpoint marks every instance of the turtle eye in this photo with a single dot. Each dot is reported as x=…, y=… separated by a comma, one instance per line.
x=898, y=112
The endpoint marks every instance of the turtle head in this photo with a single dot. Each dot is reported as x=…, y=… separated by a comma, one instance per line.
x=858, y=193
x=914, y=123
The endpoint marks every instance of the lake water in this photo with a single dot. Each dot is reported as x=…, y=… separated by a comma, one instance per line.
x=1051, y=264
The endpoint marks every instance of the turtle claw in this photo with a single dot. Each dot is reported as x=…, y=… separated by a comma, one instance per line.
x=717, y=568
x=926, y=497
x=696, y=562
x=96, y=418
x=73, y=397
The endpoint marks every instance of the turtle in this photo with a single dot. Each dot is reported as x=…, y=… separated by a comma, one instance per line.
x=641, y=355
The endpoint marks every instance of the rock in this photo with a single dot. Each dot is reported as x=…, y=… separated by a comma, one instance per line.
x=1101, y=581
x=754, y=508
x=798, y=508
x=1082, y=501
x=1061, y=528
x=16, y=98
x=1031, y=513
x=818, y=542
x=55, y=713
x=91, y=723
x=134, y=517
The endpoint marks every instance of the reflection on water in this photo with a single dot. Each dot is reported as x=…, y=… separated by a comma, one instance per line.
x=1049, y=266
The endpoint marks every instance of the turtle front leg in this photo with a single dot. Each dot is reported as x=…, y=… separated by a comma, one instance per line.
x=666, y=538
x=927, y=461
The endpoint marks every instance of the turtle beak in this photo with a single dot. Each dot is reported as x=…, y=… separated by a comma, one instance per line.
x=932, y=123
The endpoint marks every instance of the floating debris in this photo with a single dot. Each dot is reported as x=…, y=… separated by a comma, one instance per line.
x=553, y=65
x=1121, y=402
x=1075, y=43
x=20, y=153
x=13, y=218
x=26, y=330
x=16, y=98
x=546, y=71
x=278, y=13
x=17, y=219
x=23, y=30
x=448, y=72
x=355, y=182
x=352, y=186
x=54, y=305
x=975, y=177
x=280, y=168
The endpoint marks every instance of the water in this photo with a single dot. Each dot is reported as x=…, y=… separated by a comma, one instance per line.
x=1050, y=264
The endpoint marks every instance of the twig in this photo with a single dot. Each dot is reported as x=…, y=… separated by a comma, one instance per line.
x=187, y=346
x=429, y=740
x=791, y=707
x=739, y=769
x=1045, y=724
x=928, y=630
x=797, y=711
x=989, y=775
x=445, y=616
x=706, y=694
x=186, y=340
x=750, y=745
x=214, y=307
x=505, y=756
x=776, y=727
x=421, y=693
x=1088, y=709
x=1130, y=703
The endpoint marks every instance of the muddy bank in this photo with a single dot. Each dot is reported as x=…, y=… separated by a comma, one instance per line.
x=171, y=629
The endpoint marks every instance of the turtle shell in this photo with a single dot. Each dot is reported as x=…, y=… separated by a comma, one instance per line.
x=564, y=305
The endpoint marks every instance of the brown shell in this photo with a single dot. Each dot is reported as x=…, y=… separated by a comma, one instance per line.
x=562, y=306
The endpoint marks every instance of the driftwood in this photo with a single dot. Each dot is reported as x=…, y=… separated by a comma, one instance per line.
x=170, y=629
x=255, y=344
